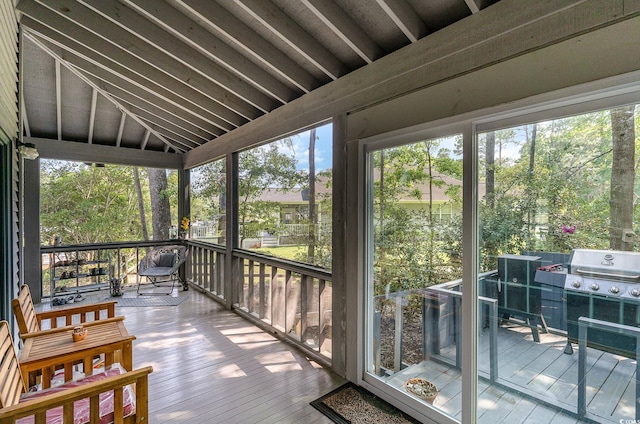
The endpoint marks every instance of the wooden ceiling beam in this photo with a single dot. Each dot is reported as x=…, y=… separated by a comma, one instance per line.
x=345, y=28
x=123, y=119
x=403, y=15
x=215, y=18
x=218, y=100
x=169, y=126
x=289, y=32
x=473, y=6
x=112, y=100
x=187, y=123
x=58, y=100
x=186, y=143
x=92, y=115
x=83, y=152
x=198, y=38
x=139, y=33
x=172, y=92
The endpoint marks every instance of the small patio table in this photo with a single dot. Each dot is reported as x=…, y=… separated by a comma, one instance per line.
x=55, y=348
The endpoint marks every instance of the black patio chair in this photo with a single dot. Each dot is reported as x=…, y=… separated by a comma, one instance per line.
x=162, y=265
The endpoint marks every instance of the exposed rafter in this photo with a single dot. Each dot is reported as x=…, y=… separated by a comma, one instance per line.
x=117, y=104
x=160, y=46
x=25, y=120
x=294, y=36
x=340, y=23
x=92, y=115
x=131, y=79
x=215, y=18
x=58, y=101
x=198, y=38
x=473, y=6
x=123, y=118
x=403, y=15
x=185, y=81
x=190, y=73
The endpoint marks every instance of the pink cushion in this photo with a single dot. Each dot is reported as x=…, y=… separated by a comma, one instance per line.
x=81, y=408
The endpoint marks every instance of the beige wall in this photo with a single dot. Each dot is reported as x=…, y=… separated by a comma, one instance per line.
x=607, y=52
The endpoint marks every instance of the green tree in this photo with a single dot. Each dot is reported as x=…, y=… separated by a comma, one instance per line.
x=88, y=204
x=272, y=166
x=411, y=248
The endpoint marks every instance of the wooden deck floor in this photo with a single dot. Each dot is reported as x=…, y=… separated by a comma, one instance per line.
x=541, y=371
x=211, y=366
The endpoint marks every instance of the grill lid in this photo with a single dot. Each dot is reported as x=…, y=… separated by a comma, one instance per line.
x=606, y=264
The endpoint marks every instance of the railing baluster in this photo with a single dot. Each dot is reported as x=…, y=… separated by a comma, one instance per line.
x=397, y=347
x=274, y=282
x=289, y=310
x=262, y=293
x=321, y=312
x=304, y=296
x=250, y=291
x=213, y=272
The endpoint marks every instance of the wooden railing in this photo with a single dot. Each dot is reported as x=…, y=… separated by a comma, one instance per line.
x=283, y=297
x=117, y=260
x=292, y=298
x=205, y=267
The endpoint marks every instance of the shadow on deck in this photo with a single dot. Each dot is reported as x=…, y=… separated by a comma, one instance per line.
x=210, y=365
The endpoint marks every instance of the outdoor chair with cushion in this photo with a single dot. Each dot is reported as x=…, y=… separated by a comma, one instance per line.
x=111, y=395
x=162, y=265
x=30, y=323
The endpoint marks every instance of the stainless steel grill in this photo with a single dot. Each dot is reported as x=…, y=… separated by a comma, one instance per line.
x=603, y=285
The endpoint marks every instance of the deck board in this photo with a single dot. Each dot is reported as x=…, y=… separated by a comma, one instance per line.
x=541, y=370
x=210, y=365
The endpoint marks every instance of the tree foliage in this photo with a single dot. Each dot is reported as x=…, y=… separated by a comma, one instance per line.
x=89, y=204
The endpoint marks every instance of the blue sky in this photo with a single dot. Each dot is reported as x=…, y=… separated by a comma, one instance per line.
x=324, y=137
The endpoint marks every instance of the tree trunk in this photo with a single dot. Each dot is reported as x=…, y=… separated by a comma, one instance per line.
x=622, y=178
x=312, y=197
x=430, y=253
x=532, y=198
x=143, y=217
x=160, y=209
x=490, y=152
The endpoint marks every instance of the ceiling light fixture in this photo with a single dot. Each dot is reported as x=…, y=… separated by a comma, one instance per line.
x=28, y=150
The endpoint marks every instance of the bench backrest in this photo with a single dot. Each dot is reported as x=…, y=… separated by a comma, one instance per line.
x=24, y=311
x=11, y=383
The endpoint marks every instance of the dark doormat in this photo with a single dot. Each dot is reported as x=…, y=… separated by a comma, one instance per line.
x=148, y=301
x=353, y=404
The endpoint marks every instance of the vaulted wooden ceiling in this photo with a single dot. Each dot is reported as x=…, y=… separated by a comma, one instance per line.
x=172, y=75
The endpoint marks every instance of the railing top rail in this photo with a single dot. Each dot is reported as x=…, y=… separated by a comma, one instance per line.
x=608, y=326
x=445, y=288
x=298, y=267
x=107, y=245
x=208, y=245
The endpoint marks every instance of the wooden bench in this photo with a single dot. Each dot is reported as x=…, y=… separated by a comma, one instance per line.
x=110, y=396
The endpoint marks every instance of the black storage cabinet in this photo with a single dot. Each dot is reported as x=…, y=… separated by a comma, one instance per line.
x=517, y=291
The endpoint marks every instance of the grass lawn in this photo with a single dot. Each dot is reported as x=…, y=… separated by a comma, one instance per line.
x=285, y=252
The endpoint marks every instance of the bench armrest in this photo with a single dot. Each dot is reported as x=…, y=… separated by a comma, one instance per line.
x=66, y=398
x=70, y=327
